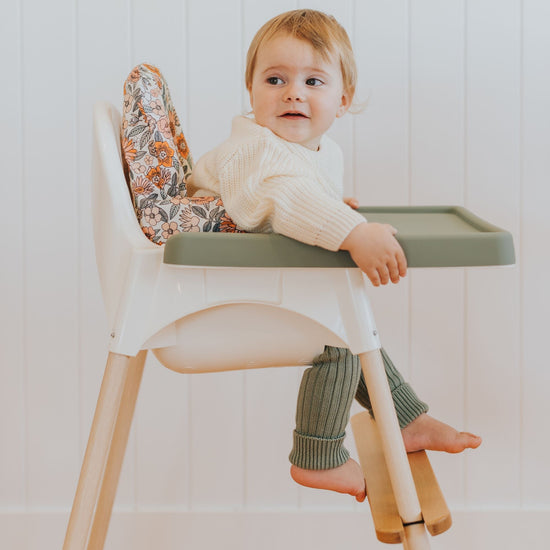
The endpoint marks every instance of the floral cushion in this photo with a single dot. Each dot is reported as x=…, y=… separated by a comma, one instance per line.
x=157, y=163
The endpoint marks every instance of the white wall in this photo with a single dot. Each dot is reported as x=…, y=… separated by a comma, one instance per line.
x=458, y=113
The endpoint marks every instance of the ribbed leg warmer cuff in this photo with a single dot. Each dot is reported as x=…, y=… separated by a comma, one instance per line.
x=407, y=404
x=317, y=453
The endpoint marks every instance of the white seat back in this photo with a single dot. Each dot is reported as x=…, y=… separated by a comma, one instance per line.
x=116, y=230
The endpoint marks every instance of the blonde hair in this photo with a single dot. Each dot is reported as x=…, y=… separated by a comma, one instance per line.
x=322, y=31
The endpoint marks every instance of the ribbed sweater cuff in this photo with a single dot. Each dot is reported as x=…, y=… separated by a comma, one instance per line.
x=317, y=453
x=338, y=224
x=407, y=404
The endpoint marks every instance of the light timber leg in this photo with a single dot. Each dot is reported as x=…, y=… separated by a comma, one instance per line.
x=392, y=441
x=113, y=467
x=416, y=537
x=385, y=516
x=91, y=482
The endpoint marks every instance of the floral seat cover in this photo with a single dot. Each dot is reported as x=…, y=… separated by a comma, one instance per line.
x=157, y=163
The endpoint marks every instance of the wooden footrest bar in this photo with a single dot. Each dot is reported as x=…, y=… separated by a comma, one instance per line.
x=387, y=522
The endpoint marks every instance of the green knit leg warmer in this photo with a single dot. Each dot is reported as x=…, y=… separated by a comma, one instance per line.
x=407, y=404
x=324, y=402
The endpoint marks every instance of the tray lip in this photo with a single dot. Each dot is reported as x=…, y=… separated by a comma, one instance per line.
x=466, y=215
x=501, y=241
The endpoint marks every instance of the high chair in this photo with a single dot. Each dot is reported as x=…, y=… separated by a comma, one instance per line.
x=165, y=298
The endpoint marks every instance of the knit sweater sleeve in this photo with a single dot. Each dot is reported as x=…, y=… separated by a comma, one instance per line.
x=260, y=196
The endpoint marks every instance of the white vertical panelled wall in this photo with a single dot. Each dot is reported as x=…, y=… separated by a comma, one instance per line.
x=457, y=111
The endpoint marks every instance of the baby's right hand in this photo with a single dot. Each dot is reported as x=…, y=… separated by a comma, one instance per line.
x=376, y=251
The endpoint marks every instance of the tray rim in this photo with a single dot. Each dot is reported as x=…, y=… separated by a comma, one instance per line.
x=273, y=250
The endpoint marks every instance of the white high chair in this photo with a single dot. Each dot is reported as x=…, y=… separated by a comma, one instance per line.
x=167, y=307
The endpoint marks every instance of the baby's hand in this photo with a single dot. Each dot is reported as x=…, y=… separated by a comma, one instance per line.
x=376, y=251
x=351, y=202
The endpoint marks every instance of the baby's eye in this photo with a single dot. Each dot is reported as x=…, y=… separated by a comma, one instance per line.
x=274, y=80
x=314, y=82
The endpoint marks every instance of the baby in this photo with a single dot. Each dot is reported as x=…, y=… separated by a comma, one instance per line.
x=279, y=172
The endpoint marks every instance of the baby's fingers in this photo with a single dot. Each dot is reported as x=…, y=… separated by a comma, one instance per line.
x=373, y=276
x=401, y=262
x=384, y=274
x=395, y=274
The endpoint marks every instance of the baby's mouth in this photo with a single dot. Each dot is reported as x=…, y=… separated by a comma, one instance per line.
x=293, y=115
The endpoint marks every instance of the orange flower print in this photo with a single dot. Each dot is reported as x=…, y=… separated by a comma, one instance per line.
x=174, y=120
x=227, y=225
x=141, y=110
x=152, y=68
x=142, y=186
x=149, y=232
x=201, y=200
x=158, y=76
x=181, y=144
x=163, y=152
x=128, y=149
x=151, y=215
x=159, y=176
x=168, y=229
x=154, y=175
x=135, y=75
x=219, y=202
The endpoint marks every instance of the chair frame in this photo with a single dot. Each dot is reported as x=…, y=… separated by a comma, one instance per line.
x=130, y=266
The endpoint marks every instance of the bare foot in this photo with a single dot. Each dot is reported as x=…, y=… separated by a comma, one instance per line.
x=423, y=433
x=347, y=478
x=427, y=433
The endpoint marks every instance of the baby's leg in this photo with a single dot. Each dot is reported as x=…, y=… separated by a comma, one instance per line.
x=420, y=431
x=318, y=458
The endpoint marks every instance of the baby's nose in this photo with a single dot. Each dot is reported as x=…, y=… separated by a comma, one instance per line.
x=294, y=93
x=294, y=97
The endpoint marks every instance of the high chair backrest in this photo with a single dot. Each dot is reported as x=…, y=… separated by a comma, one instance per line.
x=116, y=230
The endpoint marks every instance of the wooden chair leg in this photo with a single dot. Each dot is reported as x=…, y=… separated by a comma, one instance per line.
x=115, y=389
x=113, y=467
x=416, y=537
x=392, y=442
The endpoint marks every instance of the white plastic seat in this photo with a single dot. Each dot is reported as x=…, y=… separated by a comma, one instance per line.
x=169, y=309
x=152, y=305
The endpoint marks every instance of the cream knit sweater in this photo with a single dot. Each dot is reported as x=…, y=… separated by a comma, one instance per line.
x=270, y=185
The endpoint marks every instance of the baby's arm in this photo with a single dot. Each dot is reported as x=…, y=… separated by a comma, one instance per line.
x=376, y=251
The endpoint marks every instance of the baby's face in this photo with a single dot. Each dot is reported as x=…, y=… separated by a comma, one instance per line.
x=294, y=92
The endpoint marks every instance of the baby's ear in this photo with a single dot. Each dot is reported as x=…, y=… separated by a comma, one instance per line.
x=345, y=104
x=250, y=97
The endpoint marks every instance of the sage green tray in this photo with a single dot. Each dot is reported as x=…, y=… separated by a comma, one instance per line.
x=431, y=236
